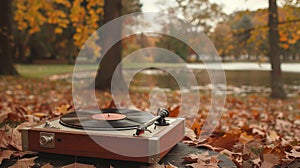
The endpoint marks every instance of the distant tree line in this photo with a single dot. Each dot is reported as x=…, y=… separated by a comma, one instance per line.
x=244, y=35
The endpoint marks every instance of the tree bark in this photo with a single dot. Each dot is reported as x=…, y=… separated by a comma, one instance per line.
x=6, y=52
x=109, y=62
x=276, y=76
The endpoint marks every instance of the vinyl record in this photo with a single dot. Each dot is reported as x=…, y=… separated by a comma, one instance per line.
x=106, y=119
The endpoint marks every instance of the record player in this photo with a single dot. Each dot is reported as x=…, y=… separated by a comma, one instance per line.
x=119, y=134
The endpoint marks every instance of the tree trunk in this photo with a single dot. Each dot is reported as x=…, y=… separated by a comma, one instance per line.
x=276, y=77
x=109, y=62
x=6, y=54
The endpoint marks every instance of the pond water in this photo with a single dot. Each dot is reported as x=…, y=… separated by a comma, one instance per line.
x=235, y=78
x=239, y=77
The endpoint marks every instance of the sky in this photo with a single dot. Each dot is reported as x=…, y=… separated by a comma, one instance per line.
x=229, y=5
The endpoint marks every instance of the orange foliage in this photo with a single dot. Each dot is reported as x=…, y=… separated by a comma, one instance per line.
x=30, y=15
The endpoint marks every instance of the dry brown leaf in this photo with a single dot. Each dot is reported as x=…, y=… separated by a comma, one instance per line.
x=269, y=160
x=214, y=161
x=16, y=140
x=78, y=165
x=257, y=162
x=293, y=153
x=48, y=165
x=196, y=127
x=6, y=154
x=21, y=154
x=190, y=134
x=40, y=115
x=62, y=109
x=258, y=131
x=5, y=135
x=245, y=138
x=202, y=160
x=210, y=147
x=235, y=157
x=169, y=165
x=227, y=141
x=24, y=163
x=3, y=116
x=192, y=158
x=283, y=125
x=157, y=165
x=272, y=136
x=174, y=112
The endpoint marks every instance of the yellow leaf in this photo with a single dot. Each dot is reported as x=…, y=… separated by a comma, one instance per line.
x=58, y=30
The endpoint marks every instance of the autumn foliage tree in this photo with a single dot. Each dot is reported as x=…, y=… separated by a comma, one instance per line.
x=256, y=45
x=80, y=17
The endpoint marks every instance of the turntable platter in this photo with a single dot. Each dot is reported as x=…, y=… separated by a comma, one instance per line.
x=106, y=119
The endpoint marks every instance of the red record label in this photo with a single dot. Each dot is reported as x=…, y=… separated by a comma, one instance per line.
x=108, y=116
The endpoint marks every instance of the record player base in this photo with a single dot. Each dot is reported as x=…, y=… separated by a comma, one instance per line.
x=79, y=143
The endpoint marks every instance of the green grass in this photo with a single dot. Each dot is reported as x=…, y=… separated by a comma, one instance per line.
x=40, y=71
x=44, y=70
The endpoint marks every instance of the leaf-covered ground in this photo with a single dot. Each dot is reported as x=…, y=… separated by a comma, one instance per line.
x=254, y=131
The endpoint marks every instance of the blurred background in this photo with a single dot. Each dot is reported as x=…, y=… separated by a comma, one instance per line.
x=43, y=38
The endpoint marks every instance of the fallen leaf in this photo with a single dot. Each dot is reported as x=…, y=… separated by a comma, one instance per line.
x=227, y=141
x=5, y=134
x=196, y=127
x=40, y=115
x=158, y=165
x=283, y=125
x=192, y=158
x=245, y=138
x=6, y=154
x=62, y=109
x=258, y=131
x=272, y=136
x=214, y=161
x=21, y=154
x=3, y=116
x=78, y=165
x=169, y=165
x=24, y=163
x=174, y=112
x=16, y=140
x=234, y=156
x=293, y=153
x=209, y=147
x=257, y=162
x=203, y=160
x=269, y=160
x=190, y=134
x=48, y=165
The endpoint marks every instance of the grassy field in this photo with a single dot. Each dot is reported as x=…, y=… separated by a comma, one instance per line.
x=43, y=70
x=40, y=71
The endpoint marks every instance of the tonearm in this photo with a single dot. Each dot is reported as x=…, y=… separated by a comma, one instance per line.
x=159, y=120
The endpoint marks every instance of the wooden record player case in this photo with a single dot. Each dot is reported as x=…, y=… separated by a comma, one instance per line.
x=70, y=141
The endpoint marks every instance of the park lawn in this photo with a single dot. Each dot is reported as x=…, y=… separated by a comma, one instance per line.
x=46, y=70
x=43, y=70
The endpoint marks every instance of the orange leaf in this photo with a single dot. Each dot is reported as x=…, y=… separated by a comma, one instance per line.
x=245, y=138
x=24, y=163
x=196, y=127
x=5, y=155
x=174, y=112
